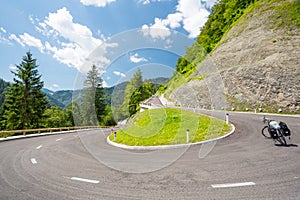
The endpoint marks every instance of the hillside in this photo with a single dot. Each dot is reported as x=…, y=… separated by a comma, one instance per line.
x=255, y=64
x=63, y=98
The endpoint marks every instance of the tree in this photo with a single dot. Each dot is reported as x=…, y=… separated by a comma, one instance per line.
x=25, y=103
x=56, y=117
x=139, y=95
x=135, y=83
x=94, y=108
x=3, y=86
x=108, y=118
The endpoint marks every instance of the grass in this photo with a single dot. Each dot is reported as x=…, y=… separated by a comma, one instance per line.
x=168, y=126
x=288, y=14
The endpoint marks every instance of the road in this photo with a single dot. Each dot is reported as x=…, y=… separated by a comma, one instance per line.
x=81, y=165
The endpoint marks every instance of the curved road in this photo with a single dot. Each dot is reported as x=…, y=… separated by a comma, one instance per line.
x=77, y=166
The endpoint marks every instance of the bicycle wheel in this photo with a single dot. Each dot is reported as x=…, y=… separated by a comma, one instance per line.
x=265, y=132
x=281, y=138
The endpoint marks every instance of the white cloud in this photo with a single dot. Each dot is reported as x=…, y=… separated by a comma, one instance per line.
x=190, y=14
x=12, y=67
x=119, y=74
x=31, y=41
x=136, y=59
x=209, y=3
x=98, y=58
x=54, y=87
x=145, y=2
x=2, y=29
x=3, y=38
x=194, y=16
x=70, y=43
x=104, y=84
x=156, y=31
x=74, y=41
x=15, y=38
x=62, y=22
x=173, y=20
x=96, y=3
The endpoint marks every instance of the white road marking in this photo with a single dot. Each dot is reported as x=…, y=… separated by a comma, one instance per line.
x=226, y=185
x=39, y=147
x=85, y=180
x=58, y=139
x=33, y=161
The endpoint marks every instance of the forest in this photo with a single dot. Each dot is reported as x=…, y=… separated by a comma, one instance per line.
x=25, y=104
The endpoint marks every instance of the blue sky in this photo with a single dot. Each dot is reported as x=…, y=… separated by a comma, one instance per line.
x=68, y=36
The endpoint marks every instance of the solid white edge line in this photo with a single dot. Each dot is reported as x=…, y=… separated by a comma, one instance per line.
x=227, y=185
x=33, y=161
x=39, y=147
x=85, y=180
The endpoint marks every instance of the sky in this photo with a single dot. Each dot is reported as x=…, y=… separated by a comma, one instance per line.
x=67, y=37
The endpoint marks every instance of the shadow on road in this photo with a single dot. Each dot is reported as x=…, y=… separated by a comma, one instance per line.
x=288, y=145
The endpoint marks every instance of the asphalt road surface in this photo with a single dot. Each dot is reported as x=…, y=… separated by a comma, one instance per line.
x=81, y=165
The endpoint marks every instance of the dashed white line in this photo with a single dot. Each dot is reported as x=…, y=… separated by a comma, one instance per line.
x=58, y=139
x=33, y=161
x=227, y=185
x=39, y=147
x=85, y=180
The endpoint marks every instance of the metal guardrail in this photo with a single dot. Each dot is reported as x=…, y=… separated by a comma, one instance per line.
x=5, y=134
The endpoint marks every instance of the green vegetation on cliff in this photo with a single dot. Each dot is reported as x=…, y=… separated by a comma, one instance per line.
x=223, y=15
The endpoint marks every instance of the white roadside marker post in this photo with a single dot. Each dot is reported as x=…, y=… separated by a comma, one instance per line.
x=115, y=135
x=187, y=135
x=227, y=118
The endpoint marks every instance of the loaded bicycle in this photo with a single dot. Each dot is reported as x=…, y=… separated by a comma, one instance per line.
x=276, y=131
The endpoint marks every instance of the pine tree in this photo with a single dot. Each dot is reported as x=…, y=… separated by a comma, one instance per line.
x=25, y=103
x=94, y=108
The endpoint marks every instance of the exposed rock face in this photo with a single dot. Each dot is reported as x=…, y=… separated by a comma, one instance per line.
x=258, y=62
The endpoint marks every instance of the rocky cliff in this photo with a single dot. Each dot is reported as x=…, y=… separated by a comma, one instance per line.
x=255, y=65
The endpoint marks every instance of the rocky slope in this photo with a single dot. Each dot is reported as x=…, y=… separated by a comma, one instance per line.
x=256, y=65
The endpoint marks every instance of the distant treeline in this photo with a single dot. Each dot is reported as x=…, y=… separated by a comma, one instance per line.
x=25, y=104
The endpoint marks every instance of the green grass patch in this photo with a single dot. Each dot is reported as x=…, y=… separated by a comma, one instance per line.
x=168, y=126
x=200, y=78
x=288, y=14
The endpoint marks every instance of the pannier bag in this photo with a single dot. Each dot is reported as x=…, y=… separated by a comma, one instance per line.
x=273, y=132
x=285, y=130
